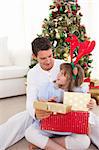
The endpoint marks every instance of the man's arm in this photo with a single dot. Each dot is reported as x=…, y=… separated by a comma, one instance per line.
x=31, y=93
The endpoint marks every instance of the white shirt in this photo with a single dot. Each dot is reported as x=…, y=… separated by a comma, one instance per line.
x=37, y=77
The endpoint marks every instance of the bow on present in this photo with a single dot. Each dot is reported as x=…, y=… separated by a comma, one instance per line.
x=85, y=47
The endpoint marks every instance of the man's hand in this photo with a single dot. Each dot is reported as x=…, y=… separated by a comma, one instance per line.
x=91, y=104
x=41, y=114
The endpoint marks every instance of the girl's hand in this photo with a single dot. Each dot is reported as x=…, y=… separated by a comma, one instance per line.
x=41, y=114
x=91, y=104
x=52, y=99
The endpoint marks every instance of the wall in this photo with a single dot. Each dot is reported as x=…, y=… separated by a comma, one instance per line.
x=89, y=9
x=20, y=21
x=12, y=26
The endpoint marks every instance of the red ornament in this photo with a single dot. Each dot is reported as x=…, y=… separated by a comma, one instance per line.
x=85, y=64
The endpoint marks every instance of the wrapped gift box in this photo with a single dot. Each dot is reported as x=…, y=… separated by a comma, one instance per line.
x=72, y=101
x=52, y=106
x=95, y=82
x=94, y=91
x=77, y=101
x=75, y=122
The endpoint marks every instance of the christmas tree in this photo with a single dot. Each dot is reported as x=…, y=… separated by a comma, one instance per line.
x=65, y=19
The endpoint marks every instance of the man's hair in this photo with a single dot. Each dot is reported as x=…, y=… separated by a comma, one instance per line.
x=67, y=67
x=40, y=44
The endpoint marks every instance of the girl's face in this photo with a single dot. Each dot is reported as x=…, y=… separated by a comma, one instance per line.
x=61, y=79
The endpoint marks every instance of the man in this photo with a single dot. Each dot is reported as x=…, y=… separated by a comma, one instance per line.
x=44, y=72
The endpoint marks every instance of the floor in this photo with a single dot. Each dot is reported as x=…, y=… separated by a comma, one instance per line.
x=11, y=106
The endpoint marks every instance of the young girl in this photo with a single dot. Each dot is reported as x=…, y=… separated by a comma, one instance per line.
x=70, y=78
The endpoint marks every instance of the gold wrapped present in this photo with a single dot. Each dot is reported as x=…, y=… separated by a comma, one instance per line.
x=95, y=94
x=95, y=82
x=51, y=106
x=94, y=91
x=77, y=101
x=72, y=101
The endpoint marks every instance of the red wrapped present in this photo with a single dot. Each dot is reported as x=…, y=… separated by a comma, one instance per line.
x=75, y=122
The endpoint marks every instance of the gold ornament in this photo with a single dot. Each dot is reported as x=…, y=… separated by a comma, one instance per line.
x=57, y=35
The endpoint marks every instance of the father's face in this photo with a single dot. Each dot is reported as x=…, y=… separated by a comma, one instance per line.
x=45, y=58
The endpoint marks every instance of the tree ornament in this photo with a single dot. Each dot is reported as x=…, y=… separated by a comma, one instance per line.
x=62, y=35
x=55, y=10
x=55, y=43
x=85, y=64
x=66, y=57
x=57, y=35
x=50, y=15
x=60, y=19
x=56, y=24
x=61, y=9
x=90, y=61
x=73, y=7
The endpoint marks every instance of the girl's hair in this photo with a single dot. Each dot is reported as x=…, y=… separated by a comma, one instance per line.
x=71, y=82
x=39, y=44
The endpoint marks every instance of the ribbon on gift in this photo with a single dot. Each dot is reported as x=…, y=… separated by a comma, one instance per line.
x=94, y=87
